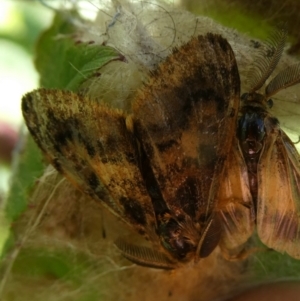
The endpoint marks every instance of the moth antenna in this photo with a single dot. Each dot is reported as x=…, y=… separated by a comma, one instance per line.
x=287, y=78
x=267, y=62
x=203, y=236
x=144, y=256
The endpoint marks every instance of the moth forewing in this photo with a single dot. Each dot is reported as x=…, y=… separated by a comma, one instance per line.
x=185, y=122
x=292, y=152
x=189, y=127
x=278, y=219
x=92, y=147
x=235, y=204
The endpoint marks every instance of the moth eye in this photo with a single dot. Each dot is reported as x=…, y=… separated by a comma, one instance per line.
x=260, y=133
x=260, y=124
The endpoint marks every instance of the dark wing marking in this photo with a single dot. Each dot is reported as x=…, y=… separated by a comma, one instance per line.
x=278, y=203
x=91, y=145
x=185, y=118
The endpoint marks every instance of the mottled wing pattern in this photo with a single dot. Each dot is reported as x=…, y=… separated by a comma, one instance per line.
x=278, y=202
x=93, y=147
x=235, y=203
x=187, y=131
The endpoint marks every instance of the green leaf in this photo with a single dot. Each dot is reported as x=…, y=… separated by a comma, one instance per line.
x=268, y=264
x=27, y=168
x=64, y=64
x=56, y=264
x=67, y=272
x=233, y=16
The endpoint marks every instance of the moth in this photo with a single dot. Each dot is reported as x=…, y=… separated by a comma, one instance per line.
x=273, y=163
x=177, y=168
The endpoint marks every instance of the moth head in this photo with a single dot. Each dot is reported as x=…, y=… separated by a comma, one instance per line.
x=186, y=240
x=176, y=238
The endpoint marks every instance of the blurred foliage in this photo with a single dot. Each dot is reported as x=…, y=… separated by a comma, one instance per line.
x=28, y=167
x=62, y=63
x=253, y=18
x=20, y=24
x=24, y=21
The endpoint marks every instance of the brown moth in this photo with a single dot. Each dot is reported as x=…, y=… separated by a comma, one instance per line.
x=264, y=164
x=158, y=168
x=273, y=163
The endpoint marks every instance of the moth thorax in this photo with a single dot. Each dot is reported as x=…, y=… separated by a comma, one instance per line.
x=251, y=131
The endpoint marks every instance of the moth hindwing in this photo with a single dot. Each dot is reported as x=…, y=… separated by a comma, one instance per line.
x=158, y=169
